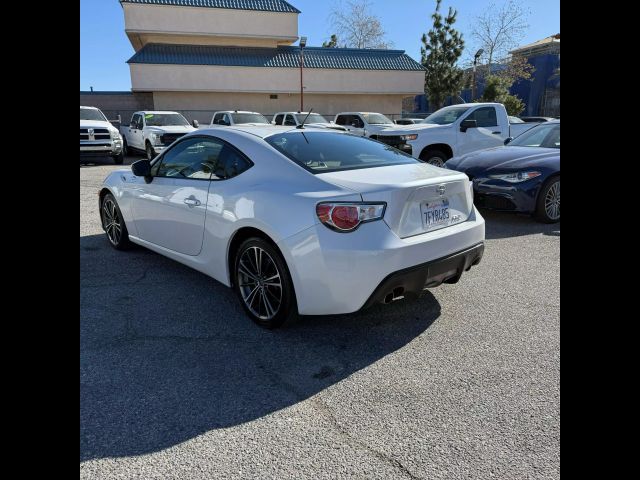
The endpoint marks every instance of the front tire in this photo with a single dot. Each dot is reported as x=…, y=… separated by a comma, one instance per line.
x=434, y=157
x=150, y=152
x=548, y=203
x=118, y=159
x=113, y=223
x=262, y=282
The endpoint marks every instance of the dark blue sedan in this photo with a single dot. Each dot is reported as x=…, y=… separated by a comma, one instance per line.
x=523, y=176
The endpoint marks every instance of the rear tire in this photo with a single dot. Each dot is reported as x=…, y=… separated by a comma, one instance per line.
x=434, y=157
x=263, y=284
x=113, y=223
x=548, y=203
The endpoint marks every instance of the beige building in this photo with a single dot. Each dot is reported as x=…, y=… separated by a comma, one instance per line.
x=198, y=56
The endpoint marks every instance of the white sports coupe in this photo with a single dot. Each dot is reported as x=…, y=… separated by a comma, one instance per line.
x=298, y=221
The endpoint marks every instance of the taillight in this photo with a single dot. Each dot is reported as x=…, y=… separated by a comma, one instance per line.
x=346, y=217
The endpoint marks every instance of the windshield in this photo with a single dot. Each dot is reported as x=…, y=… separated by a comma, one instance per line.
x=313, y=118
x=92, y=114
x=248, y=118
x=319, y=153
x=446, y=116
x=376, y=119
x=544, y=135
x=164, y=119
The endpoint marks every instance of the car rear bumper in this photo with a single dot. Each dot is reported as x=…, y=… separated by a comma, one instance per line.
x=411, y=282
x=335, y=273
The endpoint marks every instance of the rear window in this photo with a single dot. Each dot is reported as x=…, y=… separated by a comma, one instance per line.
x=331, y=152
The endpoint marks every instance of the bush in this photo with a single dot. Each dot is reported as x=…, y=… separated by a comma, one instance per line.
x=497, y=90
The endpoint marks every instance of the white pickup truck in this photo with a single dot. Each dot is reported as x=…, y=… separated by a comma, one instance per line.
x=153, y=131
x=364, y=123
x=238, y=117
x=453, y=131
x=98, y=137
x=310, y=119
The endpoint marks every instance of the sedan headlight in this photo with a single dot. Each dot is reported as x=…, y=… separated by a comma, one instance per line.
x=516, y=177
x=409, y=137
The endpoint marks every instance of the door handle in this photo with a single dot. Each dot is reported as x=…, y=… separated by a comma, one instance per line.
x=496, y=133
x=192, y=201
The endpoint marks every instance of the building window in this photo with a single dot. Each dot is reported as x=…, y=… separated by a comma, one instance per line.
x=273, y=97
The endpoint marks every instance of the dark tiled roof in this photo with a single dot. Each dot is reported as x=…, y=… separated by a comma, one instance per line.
x=263, y=5
x=285, y=57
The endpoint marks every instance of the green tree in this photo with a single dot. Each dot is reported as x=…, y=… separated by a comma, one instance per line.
x=332, y=43
x=497, y=90
x=442, y=48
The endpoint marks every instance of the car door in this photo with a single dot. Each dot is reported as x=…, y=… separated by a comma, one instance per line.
x=132, y=138
x=170, y=210
x=487, y=134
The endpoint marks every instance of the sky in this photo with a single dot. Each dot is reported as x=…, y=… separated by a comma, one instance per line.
x=104, y=47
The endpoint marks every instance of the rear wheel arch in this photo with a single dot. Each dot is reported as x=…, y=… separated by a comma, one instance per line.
x=238, y=238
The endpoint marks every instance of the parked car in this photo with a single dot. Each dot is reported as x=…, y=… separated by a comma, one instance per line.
x=523, y=176
x=536, y=119
x=294, y=119
x=408, y=121
x=151, y=132
x=98, y=137
x=453, y=131
x=235, y=117
x=309, y=221
x=363, y=123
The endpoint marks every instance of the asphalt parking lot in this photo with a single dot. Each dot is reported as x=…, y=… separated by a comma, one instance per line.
x=176, y=382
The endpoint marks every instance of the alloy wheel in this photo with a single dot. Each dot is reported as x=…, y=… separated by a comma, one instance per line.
x=552, y=201
x=437, y=161
x=260, y=283
x=111, y=221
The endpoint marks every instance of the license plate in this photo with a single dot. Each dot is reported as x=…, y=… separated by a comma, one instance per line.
x=435, y=213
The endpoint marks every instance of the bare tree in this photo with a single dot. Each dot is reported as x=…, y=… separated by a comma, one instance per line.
x=357, y=26
x=499, y=29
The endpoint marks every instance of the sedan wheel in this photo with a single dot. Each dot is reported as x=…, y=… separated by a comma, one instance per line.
x=263, y=284
x=548, y=208
x=113, y=223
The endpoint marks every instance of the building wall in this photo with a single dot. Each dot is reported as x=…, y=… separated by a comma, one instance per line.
x=166, y=20
x=222, y=40
x=118, y=103
x=145, y=77
x=201, y=105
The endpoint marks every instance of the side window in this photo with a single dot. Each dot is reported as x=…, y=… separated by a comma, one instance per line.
x=195, y=158
x=231, y=164
x=290, y=121
x=341, y=120
x=134, y=120
x=278, y=119
x=358, y=121
x=227, y=119
x=140, y=122
x=216, y=117
x=485, y=117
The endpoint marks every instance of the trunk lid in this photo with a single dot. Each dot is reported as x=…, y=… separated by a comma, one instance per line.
x=420, y=197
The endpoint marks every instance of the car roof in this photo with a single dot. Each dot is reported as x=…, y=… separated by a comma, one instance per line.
x=265, y=130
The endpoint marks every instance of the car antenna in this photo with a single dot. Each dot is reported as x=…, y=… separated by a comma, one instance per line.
x=305, y=119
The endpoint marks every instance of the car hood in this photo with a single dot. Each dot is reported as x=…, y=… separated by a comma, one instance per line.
x=95, y=124
x=416, y=127
x=504, y=158
x=171, y=129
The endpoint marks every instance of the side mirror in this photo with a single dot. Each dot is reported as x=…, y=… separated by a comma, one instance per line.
x=117, y=121
x=141, y=168
x=508, y=140
x=132, y=125
x=354, y=124
x=195, y=124
x=466, y=124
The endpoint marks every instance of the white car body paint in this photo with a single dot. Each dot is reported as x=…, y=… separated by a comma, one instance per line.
x=367, y=129
x=137, y=137
x=332, y=272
